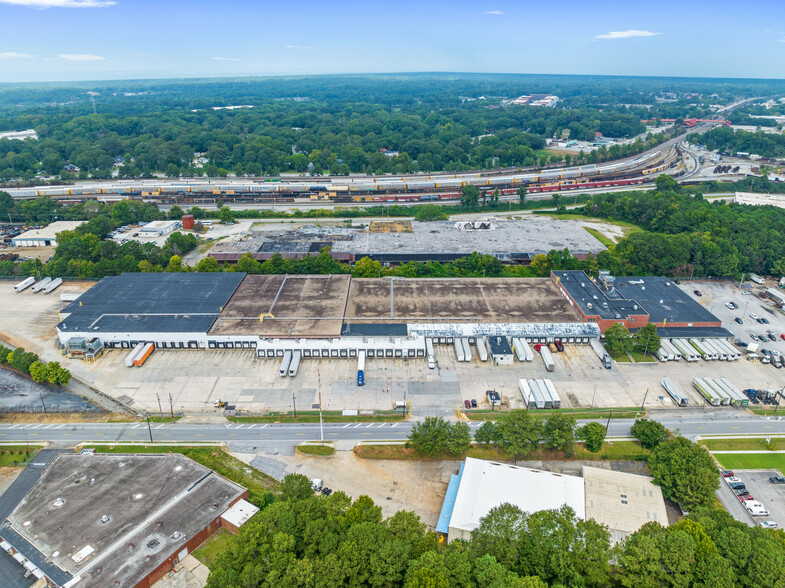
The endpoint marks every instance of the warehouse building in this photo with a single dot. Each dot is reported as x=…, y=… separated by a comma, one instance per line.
x=160, y=228
x=634, y=302
x=398, y=242
x=45, y=237
x=621, y=501
x=95, y=520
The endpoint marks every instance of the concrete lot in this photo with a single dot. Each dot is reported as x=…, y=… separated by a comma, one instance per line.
x=771, y=495
x=196, y=378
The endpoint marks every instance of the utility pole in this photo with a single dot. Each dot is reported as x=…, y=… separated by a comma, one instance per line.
x=42, y=401
x=319, y=390
x=594, y=395
x=171, y=405
x=608, y=424
x=160, y=410
x=149, y=430
x=294, y=406
x=644, y=399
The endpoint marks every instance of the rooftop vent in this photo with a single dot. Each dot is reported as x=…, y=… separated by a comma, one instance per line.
x=58, y=502
x=105, y=519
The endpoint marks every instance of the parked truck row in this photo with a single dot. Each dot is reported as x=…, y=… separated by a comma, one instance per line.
x=695, y=349
x=45, y=285
x=139, y=355
x=720, y=392
x=539, y=393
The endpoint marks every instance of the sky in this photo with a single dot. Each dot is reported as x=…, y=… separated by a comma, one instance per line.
x=62, y=40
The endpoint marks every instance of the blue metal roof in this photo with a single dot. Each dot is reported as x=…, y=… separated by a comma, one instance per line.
x=443, y=526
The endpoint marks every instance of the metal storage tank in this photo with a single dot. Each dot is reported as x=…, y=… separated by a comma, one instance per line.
x=188, y=221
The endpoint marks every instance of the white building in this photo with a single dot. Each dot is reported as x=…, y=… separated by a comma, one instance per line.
x=45, y=237
x=756, y=199
x=482, y=485
x=159, y=228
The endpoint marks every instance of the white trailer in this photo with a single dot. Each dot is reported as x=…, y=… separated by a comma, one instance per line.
x=552, y=391
x=24, y=284
x=600, y=351
x=704, y=351
x=459, y=354
x=482, y=349
x=53, y=285
x=283, y=370
x=526, y=393
x=725, y=398
x=467, y=349
x=70, y=296
x=295, y=365
x=135, y=352
x=675, y=392
x=517, y=348
x=736, y=397
x=543, y=391
x=736, y=391
x=41, y=285
x=733, y=353
x=662, y=354
x=547, y=358
x=675, y=354
x=707, y=393
x=721, y=352
x=429, y=353
x=688, y=352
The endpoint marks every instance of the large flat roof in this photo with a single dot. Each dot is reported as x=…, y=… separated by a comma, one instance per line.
x=294, y=305
x=622, y=501
x=145, y=500
x=155, y=302
x=49, y=231
x=485, y=300
x=487, y=484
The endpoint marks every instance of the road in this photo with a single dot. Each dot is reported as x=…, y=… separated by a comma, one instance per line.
x=689, y=424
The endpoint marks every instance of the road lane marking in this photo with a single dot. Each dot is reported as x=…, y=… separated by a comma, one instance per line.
x=366, y=433
x=264, y=427
x=160, y=426
x=299, y=433
x=346, y=426
x=395, y=425
x=198, y=435
x=369, y=426
x=239, y=426
x=232, y=434
x=251, y=426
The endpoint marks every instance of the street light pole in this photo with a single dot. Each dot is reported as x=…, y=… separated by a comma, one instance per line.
x=319, y=390
x=294, y=406
x=149, y=430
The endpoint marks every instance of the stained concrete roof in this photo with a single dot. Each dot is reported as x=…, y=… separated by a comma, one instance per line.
x=100, y=516
x=623, y=502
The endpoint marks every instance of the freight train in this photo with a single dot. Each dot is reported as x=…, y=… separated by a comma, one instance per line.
x=357, y=189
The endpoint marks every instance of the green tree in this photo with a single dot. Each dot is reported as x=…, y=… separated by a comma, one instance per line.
x=208, y=264
x=430, y=212
x=175, y=264
x=519, y=433
x=559, y=432
x=487, y=433
x=522, y=195
x=618, y=339
x=650, y=433
x=367, y=268
x=430, y=437
x=685, y=472
x=647, y=340
x=225, y=215
x=666, y=183
x=459, y=439
x=594, y=435
x=38, y=371
x=6, y=205
x=175, y=213
x=540, y=265
x=470, y=196
x=296, y=487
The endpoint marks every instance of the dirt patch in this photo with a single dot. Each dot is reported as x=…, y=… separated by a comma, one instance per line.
x=7, y=477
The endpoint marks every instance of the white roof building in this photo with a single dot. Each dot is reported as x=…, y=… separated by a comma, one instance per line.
x=44, y=237
x=162, y=227
x=484, y=485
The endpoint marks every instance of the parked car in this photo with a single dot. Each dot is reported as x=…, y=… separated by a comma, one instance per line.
x=753, y=316
x=765, y=321
x=697, y=293
x=760, y=321
x=467, y=404
x=771, y=337
x=745, y=497
x=474, y=403
x=559, y=345
x=777, y=480
x=768, y=524
x=782, y=337
x=726, y=473
x=732, y=480
x=738, y=320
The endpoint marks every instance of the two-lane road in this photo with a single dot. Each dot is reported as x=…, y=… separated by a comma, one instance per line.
x=689, y=424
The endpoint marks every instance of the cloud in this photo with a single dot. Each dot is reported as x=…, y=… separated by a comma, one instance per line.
x=627, y=34
x=60, y=3
x=13, y=55
x=298, y=47
x=781, y=40
x=227, y=59
x=80, y=57
x=494, y=12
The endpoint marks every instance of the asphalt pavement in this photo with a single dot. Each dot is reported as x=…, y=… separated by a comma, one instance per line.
x=688, y=423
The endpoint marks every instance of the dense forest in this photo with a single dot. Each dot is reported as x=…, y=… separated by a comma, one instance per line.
x=330, y=124
x=686, y=235
x=725, y=139
x=301, y=539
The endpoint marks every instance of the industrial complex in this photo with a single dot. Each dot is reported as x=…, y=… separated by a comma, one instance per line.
x=96, y=521
x=337, y=316
x=45, y=237
x=623, y=502
x=398, y=242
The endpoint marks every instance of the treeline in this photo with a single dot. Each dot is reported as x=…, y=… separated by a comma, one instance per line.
x=725, y=139
x=686, y=235
x=28, y=362
x=303, y=539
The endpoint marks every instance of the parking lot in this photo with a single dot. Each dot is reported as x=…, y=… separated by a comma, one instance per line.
x=771, y=495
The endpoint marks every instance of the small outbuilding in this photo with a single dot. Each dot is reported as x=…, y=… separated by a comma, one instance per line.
x=500, y=350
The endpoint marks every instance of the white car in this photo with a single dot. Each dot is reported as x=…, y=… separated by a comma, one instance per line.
x=733, y=479
x=768, y=524
x=753, y=316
